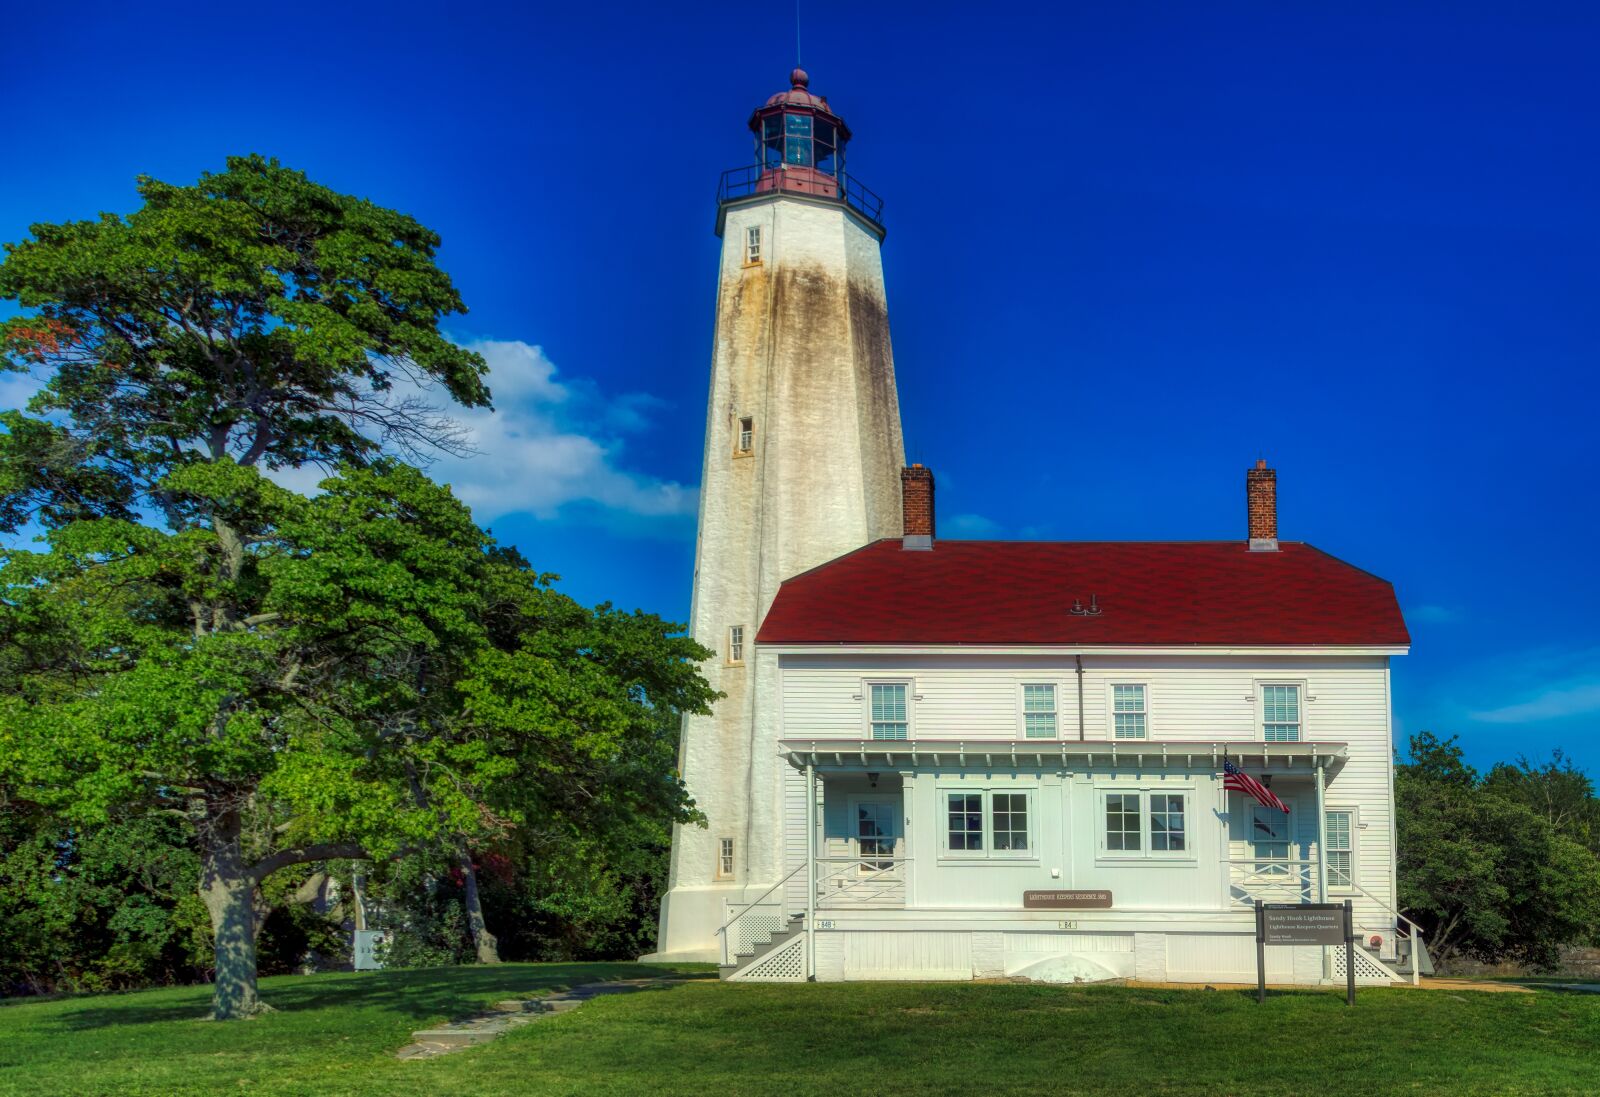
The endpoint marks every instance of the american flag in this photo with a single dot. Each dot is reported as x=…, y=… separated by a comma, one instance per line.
x=1238, y=780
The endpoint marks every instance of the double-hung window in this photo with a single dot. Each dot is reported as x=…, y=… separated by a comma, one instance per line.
x=888, y=713
x=1128, y=713
x=725, y=859
x=1340, y=827
x=1039, y=710
x=735, y=644
x=1124, y=830
x=747, y=435
x=752, y=244
x=1169, y=831
x=1280, y=713
x=1145, y=823
x=964, y=822
x=988, y=823
x=1008, y=821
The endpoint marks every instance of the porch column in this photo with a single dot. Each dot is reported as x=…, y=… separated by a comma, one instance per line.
x=1322, y=862
x=1322, y=840
x=811, y=870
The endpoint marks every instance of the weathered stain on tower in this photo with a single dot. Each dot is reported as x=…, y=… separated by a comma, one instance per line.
x=803, y=453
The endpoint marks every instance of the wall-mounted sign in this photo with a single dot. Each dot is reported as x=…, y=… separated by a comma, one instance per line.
x=1303, y=923
x=1066, y=900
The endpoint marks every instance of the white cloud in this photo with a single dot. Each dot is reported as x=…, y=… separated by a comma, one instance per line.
x=1569, y=699
x=969, y=525
x=550, y=442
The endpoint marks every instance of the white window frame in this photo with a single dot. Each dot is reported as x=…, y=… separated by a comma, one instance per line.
x=866, y=707
x=1111, y=710
x=736, y=645
x=1355, y=842
x=1145, y=854
x=725, y=865
x=1022, y=709
x=1261, y=708
x=752, y=245
x=986, y=794
x=742, y=446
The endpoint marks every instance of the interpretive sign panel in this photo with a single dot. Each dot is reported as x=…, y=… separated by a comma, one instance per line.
x=1066, y=900
x=1303, y=923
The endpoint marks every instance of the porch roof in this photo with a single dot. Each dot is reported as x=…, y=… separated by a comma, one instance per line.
x=860, y=754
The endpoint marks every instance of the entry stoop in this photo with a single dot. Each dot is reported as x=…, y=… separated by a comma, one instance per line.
x=779, y=959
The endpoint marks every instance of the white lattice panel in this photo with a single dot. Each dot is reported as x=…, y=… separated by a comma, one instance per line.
x=756, y=929
x=1368, y=970
x=786, y=964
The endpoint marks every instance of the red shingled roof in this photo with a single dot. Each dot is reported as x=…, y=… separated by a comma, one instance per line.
x=1022, y=592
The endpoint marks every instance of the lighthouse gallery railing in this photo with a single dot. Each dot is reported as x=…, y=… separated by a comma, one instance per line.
x=755, y=179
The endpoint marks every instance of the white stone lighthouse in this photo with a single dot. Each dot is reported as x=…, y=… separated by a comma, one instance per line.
x=802, y=464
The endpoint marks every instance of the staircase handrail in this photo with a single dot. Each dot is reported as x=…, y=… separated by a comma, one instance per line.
x=1415, y=932
x=751, y=906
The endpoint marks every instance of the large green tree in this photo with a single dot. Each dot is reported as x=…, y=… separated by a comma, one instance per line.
x=359, y=674
x=1484, y=865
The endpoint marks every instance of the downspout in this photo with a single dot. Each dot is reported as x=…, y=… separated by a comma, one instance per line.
x=1080, y=697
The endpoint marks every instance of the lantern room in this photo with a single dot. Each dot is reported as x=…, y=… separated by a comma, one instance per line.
x=799, y=149
x=796, y=130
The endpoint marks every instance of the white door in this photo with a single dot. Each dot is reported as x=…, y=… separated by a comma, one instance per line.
x=1272, y=841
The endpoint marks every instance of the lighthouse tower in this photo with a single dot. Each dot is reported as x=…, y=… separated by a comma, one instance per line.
x=802, y=464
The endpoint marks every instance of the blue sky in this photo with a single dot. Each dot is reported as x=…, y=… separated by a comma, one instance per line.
x=1131, y=248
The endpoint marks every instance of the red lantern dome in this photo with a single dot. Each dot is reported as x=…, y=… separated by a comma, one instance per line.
x=799, y=150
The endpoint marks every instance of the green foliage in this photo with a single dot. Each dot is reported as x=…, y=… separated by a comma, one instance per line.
x=1495, y=869
x=359, y=674
x=100, y=908
x=255, y=314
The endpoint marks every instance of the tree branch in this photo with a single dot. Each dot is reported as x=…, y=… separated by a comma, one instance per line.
x=325, y=851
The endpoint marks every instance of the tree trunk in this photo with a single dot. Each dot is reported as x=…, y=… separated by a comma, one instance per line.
x=484, y=941
x=228, y=889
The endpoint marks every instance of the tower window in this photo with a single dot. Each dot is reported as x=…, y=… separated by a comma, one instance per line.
x=725, y=859
x=752, y=244
x=747, y=435
x=736, y=644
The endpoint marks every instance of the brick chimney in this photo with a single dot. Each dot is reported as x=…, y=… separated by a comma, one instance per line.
x=1261, y=490
x=916, y=501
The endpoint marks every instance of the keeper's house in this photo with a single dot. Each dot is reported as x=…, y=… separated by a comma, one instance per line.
x=962, y=759
x=1010, y=755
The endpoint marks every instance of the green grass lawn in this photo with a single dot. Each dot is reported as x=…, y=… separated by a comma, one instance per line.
x=336, y=1034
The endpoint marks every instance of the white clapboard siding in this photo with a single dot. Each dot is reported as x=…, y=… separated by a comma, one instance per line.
x=1201, y=698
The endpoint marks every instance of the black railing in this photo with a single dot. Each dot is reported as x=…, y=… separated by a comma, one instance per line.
x=754, y=179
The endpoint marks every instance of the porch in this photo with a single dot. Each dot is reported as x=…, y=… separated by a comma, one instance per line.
x=959, y=838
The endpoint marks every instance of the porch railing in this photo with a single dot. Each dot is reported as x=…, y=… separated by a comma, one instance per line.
x=1272, y=880
x=854, y=882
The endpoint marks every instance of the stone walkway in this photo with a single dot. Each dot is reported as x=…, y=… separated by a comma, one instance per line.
x=513, y=1013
